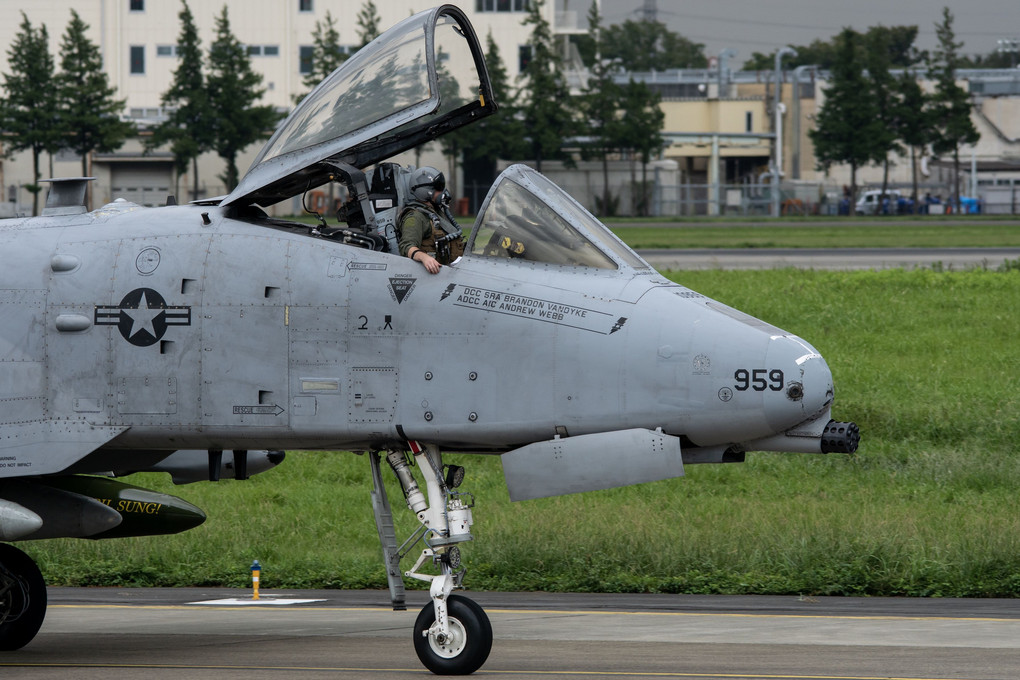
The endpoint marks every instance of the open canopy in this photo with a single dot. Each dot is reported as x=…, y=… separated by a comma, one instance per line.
x=418, y=80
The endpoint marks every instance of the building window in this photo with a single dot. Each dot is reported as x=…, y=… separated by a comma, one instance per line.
x=166, y=50
x=748, y=120
x=501, y=5
x=137, y=5
x=304, y=5
x=138, y=59
x=263, y=50
x=523, y=58
x=305, y=53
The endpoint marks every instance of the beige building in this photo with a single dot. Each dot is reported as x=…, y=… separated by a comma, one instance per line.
x=138, y=43
x=722, y=136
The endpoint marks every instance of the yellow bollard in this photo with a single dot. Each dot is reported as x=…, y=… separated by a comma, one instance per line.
x=256, y=569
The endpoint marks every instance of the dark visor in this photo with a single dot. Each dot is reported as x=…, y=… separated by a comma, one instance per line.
x=437, y=184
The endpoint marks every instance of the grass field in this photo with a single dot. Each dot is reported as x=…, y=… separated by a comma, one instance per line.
x=864, y=233
x=926, y=362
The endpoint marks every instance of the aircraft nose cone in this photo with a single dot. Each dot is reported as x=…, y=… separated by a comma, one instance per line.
x=806, y=387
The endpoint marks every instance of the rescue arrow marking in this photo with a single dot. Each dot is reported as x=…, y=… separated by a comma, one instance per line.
x=260, y=410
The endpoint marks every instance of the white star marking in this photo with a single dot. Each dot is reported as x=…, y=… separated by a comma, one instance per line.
x=141, y=318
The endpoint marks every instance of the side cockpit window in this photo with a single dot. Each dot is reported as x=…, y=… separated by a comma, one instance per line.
x=517, y=224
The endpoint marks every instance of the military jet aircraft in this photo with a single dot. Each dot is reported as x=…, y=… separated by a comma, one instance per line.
x=133, y=333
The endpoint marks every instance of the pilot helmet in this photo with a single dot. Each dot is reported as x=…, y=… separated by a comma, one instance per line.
x=425, y=182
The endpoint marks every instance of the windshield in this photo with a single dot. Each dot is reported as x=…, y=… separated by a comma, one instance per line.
x=527, y=217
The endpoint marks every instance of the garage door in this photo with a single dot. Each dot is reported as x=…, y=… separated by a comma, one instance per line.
x=146, y=184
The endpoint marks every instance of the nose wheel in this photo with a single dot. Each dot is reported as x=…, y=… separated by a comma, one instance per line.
x=461, y=650
x=22, y=598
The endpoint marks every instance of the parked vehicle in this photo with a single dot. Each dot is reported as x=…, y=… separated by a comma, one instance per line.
x=871, y=203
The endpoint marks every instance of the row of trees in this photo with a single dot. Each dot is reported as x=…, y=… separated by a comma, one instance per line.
x=869, y=114
x=903, y=53
x=327, y=54
x=211, y=101
x=645, y=45
x=540, y=119
x=46, y=110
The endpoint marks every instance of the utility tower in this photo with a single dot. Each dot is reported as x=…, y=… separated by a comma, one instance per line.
x=650, y=11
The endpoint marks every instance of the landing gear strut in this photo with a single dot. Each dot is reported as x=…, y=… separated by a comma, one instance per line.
x=22, y=598
x=452, y=634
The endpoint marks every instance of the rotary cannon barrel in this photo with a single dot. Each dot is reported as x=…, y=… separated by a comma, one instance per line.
x=840, y=437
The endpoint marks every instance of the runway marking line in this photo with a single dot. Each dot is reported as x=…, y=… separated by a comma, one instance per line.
x=482, y=672
x=560, y=612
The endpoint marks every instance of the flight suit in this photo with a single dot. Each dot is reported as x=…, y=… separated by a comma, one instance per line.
x=420, y=226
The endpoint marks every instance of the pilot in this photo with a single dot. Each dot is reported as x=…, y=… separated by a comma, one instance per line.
x=426, y=234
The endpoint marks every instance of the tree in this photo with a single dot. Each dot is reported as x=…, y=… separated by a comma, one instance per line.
x=847, y=125
x=499, y=135
x=1003, y=57
x=368, y=23
x=326, y=54
x=643, y=46
x=899, y=41
x=951, y=105
x=913, y=121
x=878, y=55
x=600, y=104
x=187, y=128
x=450, y=96
x=30, y=114
x=546, y=112
x=821, y=53
x=88, y=109
x=233, y=90
x=642, y=130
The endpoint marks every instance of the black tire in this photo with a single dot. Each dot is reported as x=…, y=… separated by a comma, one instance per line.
x=471, y=645
x=22, y=598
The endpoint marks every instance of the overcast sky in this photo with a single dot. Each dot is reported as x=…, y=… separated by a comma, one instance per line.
x=764, y=25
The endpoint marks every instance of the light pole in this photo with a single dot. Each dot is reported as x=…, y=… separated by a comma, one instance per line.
x=777, y=163
x=1009, y=46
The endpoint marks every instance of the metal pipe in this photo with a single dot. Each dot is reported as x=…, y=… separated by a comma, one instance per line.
x=778, y=111
x=795, y=170
x=724, y=58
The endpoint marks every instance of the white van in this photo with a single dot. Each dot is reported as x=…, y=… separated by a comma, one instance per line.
x=868, y=203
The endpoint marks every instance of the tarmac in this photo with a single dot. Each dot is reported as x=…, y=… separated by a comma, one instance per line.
x=957, y=259
x=189, y=633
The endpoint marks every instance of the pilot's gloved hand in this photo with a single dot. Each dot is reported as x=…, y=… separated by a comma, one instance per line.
x=430, y=263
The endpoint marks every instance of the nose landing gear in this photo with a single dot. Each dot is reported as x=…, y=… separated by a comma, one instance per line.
x=452, y=634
